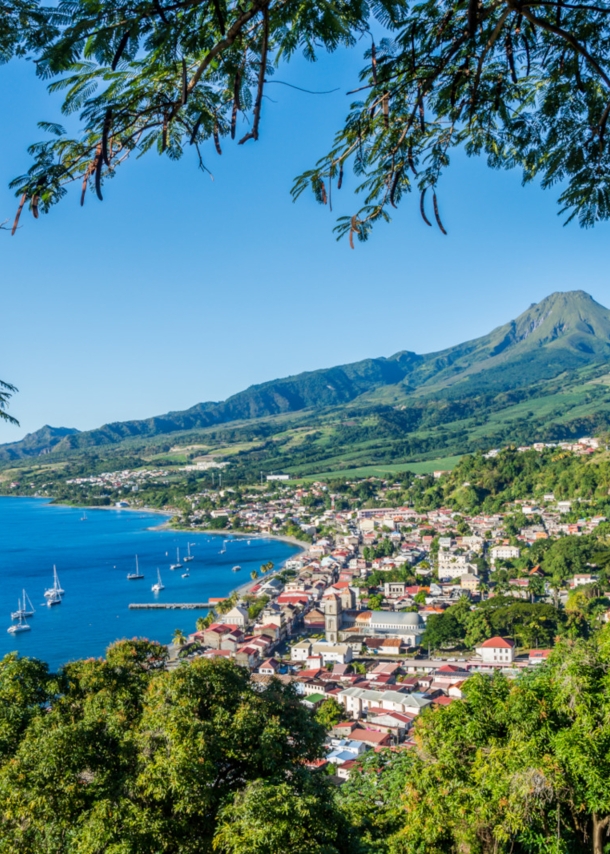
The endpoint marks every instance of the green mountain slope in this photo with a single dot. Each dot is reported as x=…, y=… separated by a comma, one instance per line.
x=539, y=376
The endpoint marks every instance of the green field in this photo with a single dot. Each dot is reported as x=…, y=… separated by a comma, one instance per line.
x=443, y=464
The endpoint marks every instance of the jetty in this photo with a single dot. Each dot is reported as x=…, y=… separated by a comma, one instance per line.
x=170, y=606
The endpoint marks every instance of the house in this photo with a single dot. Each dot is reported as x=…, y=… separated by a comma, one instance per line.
x=269, y=667
x=343, y=771
x=395, y=723
x=237, y=616
x=339, y=653
x=504, y=552
x=469, y=582
x=300, y=651
x=538, y=656
x=391, y=646
x=373, y=738
x=582, y=578
x=358, y=700
x=314, y=619
x=497, y=651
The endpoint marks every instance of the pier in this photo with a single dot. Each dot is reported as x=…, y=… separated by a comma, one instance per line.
x=170, y=606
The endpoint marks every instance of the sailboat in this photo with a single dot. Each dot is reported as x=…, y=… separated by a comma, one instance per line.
x=177, y=565
x=189, y=557
x=18, y=627
x=53, y=594
x=236, y=568
x=135, y=576
x=24, y=608
x=186, y=574
x=83, y=518
x=224, y=547
x=159, y=585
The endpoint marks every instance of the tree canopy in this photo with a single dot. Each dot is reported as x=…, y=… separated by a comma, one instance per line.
x=526, y=85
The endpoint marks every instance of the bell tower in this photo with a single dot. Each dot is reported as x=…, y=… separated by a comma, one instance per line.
x=332, y=617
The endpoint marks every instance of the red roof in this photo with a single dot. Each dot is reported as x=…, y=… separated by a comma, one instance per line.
x=449, y=668
x=442, y=701
x=497, y=643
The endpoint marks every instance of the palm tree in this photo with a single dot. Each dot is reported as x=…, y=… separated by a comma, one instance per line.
x=179, y=638
x=6, y=392
x=254, y=575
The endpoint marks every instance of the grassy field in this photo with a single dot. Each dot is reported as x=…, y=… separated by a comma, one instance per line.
x=443, y=464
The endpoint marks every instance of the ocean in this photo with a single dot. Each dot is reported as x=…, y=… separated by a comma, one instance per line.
x=93, y=556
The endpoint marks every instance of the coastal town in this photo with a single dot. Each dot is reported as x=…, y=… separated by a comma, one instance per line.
x=355, y=621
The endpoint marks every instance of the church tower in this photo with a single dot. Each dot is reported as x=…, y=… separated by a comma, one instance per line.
x=332, y=617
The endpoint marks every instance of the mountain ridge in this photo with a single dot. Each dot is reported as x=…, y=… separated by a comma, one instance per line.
x=565, y=332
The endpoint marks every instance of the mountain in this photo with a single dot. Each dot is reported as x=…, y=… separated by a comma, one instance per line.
x=561, y=343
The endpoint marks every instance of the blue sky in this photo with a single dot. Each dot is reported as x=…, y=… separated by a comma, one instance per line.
x=177, y=289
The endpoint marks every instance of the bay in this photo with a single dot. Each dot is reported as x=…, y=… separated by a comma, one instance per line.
x=93, y=556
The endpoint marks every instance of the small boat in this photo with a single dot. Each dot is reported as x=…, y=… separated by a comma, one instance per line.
x=56, y=590
x=189, y=557
x=186, y=574
x=18, y=627
x=24, y=608
x=135, y=576
x=83, y=518
x=53, y=599
x=236, y=568
x=177, y=565
x=224, y=548
x=156, y=588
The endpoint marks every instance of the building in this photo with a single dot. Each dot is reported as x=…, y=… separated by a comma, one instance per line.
x=300, y=651
x=469, y=582
x=504, y=553
x=337, y=653
x=497, y=651
x=348, y=626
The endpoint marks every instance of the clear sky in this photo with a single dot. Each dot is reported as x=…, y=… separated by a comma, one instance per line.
x=177, y=289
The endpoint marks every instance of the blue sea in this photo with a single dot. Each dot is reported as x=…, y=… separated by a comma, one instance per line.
x=93, y=557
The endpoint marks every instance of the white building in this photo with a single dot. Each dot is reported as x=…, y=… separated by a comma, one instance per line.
x=504, y=553
x=300, y=651
x=338, y=653
x=359, y=700
x=497, y=651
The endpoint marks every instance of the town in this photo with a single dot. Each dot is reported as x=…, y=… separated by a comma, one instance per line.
x=389, y=610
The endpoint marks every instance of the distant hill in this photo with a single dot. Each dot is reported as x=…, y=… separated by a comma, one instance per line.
x=562, y=342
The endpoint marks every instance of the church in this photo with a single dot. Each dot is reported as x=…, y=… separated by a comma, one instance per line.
x=343, y=622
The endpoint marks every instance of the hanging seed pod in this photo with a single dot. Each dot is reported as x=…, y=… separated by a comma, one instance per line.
x=374, y=63
x=422, y=118
x=397, y=175
x=86, y=176
x=353, y=230
x=411, y=163
x=323, y=195
x=185, y=88
x=105, y=132
x=340, y=181
x=22, y=202
x=98, y=173
x=508, y=45
x=195, y=130
x=164, y=134
x=236, y=103
x=386, y=109
x=35, y=200
x=436, y=213
x=120, y=49
x=422, y=209
x=217, y=138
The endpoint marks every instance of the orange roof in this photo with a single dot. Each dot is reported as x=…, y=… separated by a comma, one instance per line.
x=497, y=643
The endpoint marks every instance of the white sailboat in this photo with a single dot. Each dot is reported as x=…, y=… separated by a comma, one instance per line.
x=177, y=565
x=224, y=547
x=186, y=574
x=156, y=588
x=188, y=557
x=236, y=568
x=83, y=518
x=135, y=576
x=56, y=592
x=18, y=627
x=24, y=608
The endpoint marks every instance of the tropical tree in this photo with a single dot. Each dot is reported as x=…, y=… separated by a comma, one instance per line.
x=6, y=392
x=524, y=86
x=254, y=575
x=179, y=638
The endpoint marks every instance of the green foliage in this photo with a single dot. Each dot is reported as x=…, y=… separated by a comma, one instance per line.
x=129, y=757
x=330, y=713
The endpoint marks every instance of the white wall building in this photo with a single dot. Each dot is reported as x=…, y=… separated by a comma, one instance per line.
x=497, y=651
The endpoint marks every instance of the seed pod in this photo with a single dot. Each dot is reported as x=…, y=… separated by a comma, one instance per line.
x=35, y=200
x=120, y=49
x=84, y=187
x=508, y=44
x=386, y=109
x=422, y=210
x=195, y=130
x=217, y=138
x=422, y=118
x=436, y=213
x=411, y=163
x=323, y=195
x=353, y=229
x=22, y=202
x=185, y=88
x=340, y=181
x=374, y=63
x=164, y=134
x=397, y=175
x=98, y=173
x=236, y=103
x=105, y=132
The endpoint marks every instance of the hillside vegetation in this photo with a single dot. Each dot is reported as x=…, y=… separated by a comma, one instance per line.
x=543, y=376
